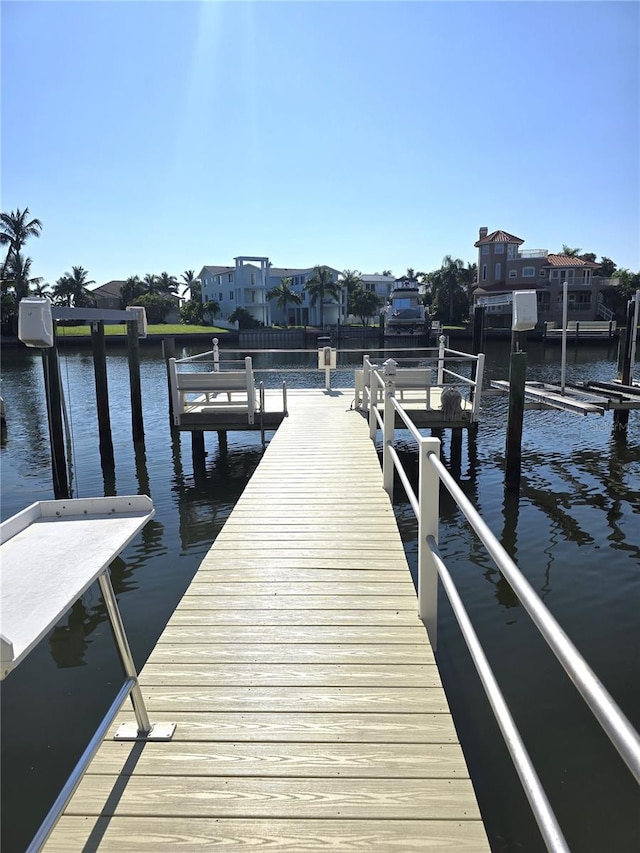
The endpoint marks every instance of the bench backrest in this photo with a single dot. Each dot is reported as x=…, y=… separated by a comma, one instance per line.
x=413, y=377
x=227, y=380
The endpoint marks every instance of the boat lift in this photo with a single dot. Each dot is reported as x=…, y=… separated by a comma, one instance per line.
x=590, y=398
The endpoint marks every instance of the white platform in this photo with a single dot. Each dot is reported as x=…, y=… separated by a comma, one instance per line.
x=50, y=553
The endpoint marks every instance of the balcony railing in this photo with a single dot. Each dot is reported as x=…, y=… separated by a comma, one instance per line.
x=533, y=253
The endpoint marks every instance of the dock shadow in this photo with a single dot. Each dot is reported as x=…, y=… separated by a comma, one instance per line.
x=99, y=830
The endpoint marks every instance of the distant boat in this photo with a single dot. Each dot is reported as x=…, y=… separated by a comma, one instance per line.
x=405, y=313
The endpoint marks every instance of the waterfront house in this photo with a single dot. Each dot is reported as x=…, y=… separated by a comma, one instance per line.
x=108, y=296
x=503, y=266
x=247, y=283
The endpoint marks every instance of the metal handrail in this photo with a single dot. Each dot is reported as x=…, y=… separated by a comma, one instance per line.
x=545, y=818
x=608, y=714
x=618, y=728
x=48, y=824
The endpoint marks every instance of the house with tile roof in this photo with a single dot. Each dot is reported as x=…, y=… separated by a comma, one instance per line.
x=247, y=283
x=503, y=266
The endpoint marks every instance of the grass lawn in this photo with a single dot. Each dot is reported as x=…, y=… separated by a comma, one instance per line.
x=159, y=329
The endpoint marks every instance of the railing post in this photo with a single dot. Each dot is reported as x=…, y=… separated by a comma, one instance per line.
x=216, y=356
x=251, y=391
x=389, y=425
x=477, y=390
x=429, y=502
x=441, y=344
x=366, y=383
x=373, y=402
x=174, y=394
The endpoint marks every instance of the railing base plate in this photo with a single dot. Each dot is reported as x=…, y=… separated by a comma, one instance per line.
x=159, y=731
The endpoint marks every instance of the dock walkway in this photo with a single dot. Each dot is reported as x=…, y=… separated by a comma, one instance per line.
x=310, y=713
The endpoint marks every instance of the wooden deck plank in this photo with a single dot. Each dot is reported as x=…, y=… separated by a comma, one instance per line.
x=295, y=675
x=308, y=727
x=255, y=617
x=233, y=796
x=310, y=713
x=300, y=836
x=238, y=758
x=284, y=653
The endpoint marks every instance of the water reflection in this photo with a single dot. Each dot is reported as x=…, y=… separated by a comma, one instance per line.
x=69, y=641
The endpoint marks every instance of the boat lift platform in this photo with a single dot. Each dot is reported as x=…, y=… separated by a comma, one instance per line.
x=589, y=398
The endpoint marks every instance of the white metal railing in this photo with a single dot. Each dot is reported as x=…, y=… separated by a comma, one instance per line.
x=431, y=566
x=414, y=377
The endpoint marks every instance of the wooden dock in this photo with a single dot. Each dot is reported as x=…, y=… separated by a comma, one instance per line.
x=310, y=713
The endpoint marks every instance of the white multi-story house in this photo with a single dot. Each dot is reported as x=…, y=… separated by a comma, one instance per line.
x=247, y=283
x=504, y=267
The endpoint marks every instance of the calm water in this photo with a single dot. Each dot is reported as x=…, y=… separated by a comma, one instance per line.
x=574, y=531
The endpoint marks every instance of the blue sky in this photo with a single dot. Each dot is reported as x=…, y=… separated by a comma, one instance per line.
x=151, y=136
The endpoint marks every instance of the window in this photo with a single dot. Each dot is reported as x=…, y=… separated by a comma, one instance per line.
x=513, y=274
x=253, y=279
x=528, y=272
x=498, y=272
x=220, y=297
x=484, y=272
x=555, y=273
x=230, y=277
x=512, y=252
x=542, y=273
x=231, y=294
x=499, y=248
x=485, y=249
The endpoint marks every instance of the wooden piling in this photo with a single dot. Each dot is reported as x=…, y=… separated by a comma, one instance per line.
x=137, y=423
x=198, y=455
x=102, y=393
x=517, y=376
x=54, y=412
x=621, y=416
x=222, y=440
x=169, y=351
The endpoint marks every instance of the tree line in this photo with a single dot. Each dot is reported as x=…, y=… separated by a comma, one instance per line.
x=448, y=289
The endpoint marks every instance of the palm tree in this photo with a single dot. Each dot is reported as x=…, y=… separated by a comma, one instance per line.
x=42, y=289
x=193, y=285
x=15, y=229
x=18, y=276
x=131, y=289
x=321, y=285
x=569, y=252
x=77, y=287
x=166, y=284
x=284, y=296
x=150, y=282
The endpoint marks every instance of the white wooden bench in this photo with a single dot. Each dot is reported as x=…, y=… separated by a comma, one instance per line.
x=406, y=379
x=202, y=391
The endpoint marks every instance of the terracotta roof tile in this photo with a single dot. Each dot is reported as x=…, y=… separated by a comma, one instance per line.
x=499, y=237
x=568, y=261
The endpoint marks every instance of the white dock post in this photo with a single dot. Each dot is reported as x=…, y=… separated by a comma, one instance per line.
x=390, y=367
x=429, y=502
x=442, y=342
x=216, y=356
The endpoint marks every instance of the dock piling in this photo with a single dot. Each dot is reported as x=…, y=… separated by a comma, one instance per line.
x=102, y=394
x=517, y=376
x=137, y=423
x=54, y=411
